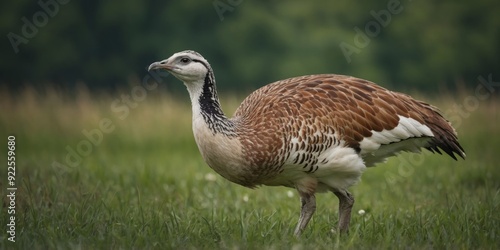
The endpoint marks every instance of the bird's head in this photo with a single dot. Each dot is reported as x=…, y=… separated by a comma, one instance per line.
x=188, y=66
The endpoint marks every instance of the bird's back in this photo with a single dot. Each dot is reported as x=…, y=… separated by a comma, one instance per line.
x=304, y=121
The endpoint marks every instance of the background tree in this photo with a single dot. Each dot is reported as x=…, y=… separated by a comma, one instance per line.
x=250, y=43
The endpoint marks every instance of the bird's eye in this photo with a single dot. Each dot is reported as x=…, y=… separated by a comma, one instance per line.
x=185, y=60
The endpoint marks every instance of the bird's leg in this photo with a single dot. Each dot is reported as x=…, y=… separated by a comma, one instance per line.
x=308, y=208
x=346, y=201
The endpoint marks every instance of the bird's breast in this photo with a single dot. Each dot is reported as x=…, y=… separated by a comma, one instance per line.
x=222, y=153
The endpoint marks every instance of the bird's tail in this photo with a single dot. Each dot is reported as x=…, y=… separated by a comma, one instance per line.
x=445, y=136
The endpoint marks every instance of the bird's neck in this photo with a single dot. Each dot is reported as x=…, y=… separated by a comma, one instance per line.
x=215, y=134
x=206, y=107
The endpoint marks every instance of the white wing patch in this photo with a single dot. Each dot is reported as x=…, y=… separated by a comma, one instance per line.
x=380, y=145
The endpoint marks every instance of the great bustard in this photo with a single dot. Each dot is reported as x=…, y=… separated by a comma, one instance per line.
x=314, y=133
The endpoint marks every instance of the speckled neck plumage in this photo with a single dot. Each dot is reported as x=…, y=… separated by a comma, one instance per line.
x=210, y=108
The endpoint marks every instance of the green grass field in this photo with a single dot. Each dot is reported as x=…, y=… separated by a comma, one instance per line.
x=144, y=185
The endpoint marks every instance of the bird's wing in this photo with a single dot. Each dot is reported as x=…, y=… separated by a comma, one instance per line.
x=364, y=115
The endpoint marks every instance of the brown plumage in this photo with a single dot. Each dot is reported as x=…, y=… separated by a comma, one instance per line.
x=313, y=133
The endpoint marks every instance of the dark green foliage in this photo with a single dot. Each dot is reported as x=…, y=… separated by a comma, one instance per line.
x=425, y=43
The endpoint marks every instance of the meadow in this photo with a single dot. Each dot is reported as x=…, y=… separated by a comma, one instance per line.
x=94, y=171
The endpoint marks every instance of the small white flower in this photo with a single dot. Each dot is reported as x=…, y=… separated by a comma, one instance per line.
x=245, y=198
x=210, y=177
x=289, y=194
x=361, y=212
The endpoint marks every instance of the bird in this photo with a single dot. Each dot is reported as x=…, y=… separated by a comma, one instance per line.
x=313, y=133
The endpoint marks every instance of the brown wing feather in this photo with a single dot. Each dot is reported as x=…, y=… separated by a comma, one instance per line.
x=350, y=106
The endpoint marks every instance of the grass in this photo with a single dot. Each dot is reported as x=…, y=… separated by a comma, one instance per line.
x=145, y=185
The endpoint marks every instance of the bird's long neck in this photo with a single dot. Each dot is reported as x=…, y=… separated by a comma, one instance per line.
x=206, y=106
x=214, y=133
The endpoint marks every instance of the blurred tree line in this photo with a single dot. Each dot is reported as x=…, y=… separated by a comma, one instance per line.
x=401, y=44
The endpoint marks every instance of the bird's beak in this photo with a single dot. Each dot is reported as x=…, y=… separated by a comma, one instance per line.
x=161, y=65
